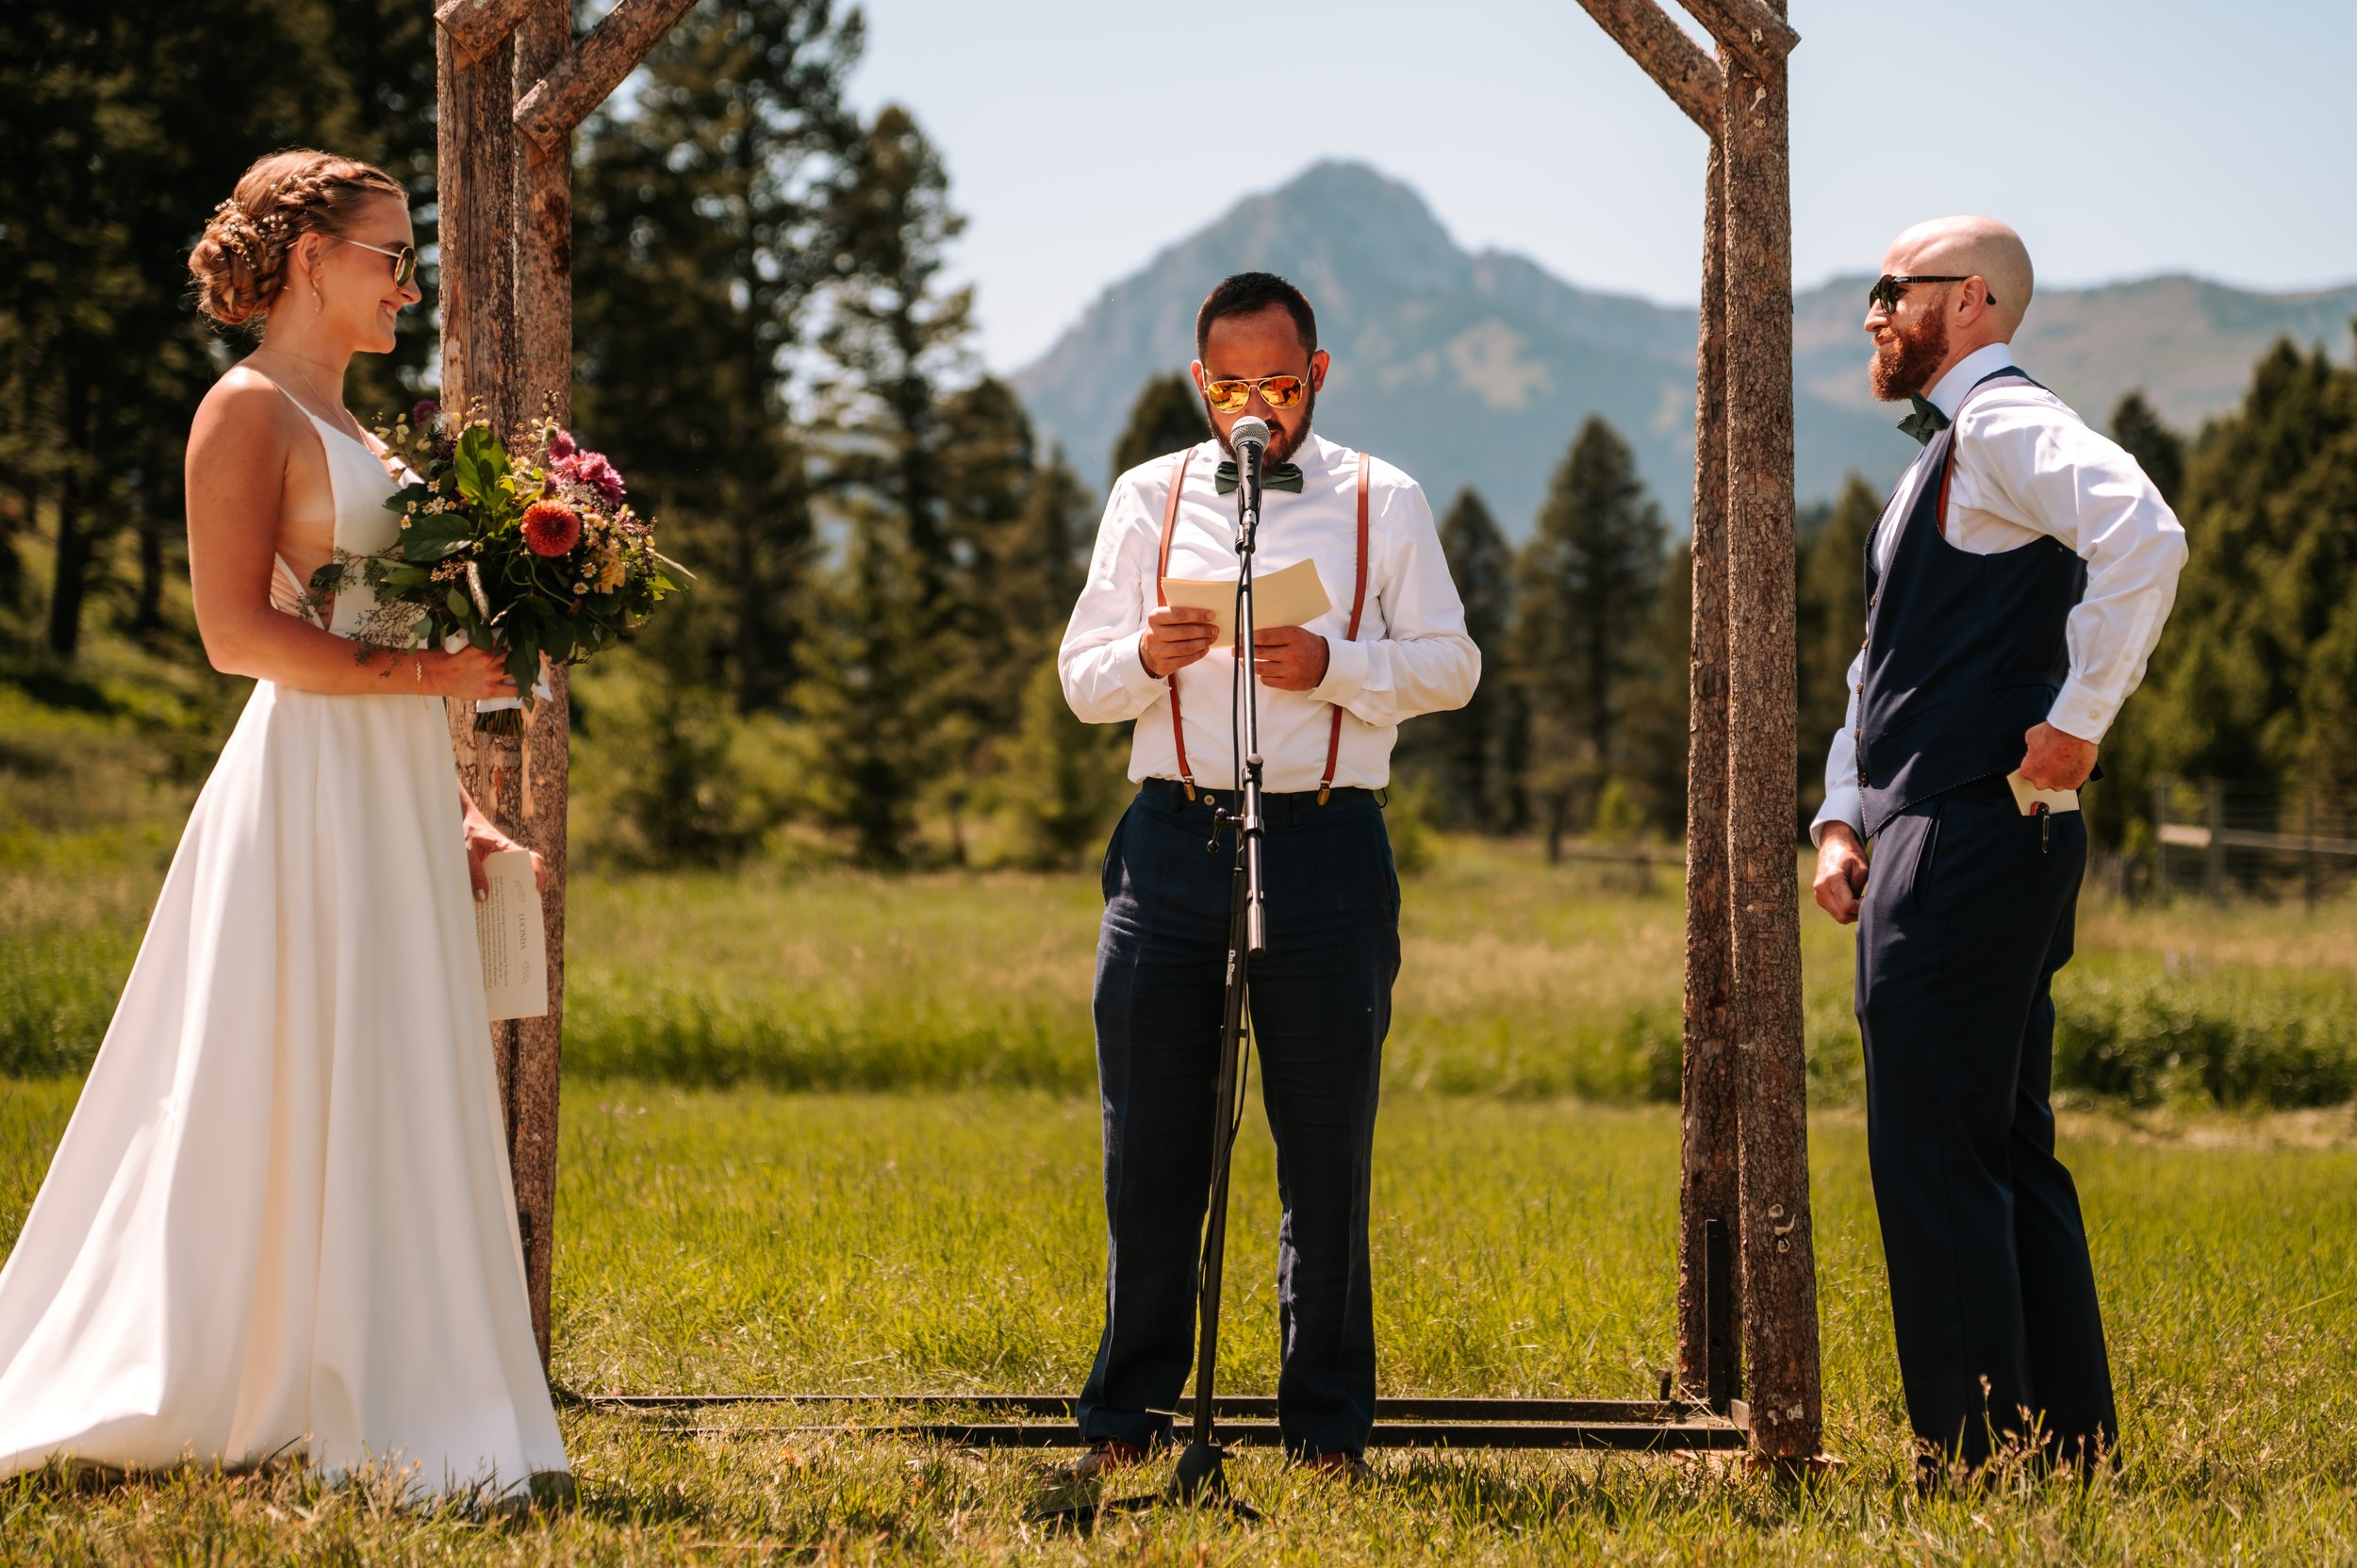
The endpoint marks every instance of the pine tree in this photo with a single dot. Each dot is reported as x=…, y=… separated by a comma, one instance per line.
x=1830, y=613
x=2249, y=683
x=1660, y=701
x=1465, y=754
x=894, y=339
x=2158, y=449
x=122, y=136
x=1167, y=416
x=1585, y=590
x=1059, y=783
x=886, y=689
x=705, y=214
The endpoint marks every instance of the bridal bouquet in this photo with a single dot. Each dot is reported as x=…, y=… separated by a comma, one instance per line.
x=532, y=549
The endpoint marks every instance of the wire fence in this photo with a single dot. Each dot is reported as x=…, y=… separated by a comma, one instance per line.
x=2218, y=839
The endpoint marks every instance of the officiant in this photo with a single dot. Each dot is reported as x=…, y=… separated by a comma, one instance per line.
x=1391, y=644
x=2014, y=586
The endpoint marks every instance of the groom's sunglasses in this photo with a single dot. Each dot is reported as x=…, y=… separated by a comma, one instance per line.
x=1278, y=391
x=405, y=259
x=1889, y=287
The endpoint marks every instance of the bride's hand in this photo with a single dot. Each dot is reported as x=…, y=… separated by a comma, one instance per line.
x=483, y=842
x=474, y=673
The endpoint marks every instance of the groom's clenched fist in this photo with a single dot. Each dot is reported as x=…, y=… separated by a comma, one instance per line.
x=1840, y=872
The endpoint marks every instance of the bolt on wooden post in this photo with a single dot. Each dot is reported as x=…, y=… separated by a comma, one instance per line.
x=513, y=84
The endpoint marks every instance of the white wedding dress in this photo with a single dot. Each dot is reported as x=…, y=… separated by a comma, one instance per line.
x=281, y=1221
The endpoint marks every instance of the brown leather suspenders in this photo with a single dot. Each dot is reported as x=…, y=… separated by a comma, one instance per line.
x=1358, y=606
x=1170, y=526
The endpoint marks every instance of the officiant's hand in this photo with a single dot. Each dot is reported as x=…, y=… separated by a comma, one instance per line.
x=1176, y=635
x=2053, y=759
x=1840, y=872
x=1289, y=658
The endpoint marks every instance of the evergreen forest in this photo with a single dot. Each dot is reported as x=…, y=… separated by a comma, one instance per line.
x=769, y=344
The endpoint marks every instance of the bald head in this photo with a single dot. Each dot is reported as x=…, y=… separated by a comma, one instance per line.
x=1970, y=247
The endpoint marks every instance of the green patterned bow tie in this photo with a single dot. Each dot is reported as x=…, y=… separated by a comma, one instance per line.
x=1277, y=476
x=1925, y=422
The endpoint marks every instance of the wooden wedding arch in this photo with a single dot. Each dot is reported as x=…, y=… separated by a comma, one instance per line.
x=514, y=85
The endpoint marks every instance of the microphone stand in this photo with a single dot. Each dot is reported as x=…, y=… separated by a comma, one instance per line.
x=1200, y=1476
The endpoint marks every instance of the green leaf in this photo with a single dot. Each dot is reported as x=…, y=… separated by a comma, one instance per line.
x=479, y=464
x=458, y=605
x=407, y=496
x=523, y=666
x=430, y=538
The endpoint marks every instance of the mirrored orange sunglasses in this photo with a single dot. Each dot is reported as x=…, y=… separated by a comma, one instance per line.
x=1278, y=391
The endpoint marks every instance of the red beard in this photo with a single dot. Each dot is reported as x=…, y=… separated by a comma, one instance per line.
x=1906, y=368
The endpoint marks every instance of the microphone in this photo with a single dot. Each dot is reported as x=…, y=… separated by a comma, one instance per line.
x=1249, y=437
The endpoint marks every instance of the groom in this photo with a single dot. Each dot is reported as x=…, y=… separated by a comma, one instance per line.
x=2014, y=586
x=1335, y=689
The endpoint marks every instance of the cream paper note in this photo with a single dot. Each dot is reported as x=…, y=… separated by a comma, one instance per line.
x=2029, y=797
x=1289, y=595
x=508, y=929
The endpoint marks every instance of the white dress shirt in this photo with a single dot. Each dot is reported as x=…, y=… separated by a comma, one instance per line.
x=1411, y=655
x=2026, y=465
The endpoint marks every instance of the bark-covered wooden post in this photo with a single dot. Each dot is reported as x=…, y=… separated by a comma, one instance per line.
x=1780, y=1346
x=1744, y=1155
x=513, y=87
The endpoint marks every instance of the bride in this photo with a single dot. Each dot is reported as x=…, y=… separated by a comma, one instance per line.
x=281, y=1222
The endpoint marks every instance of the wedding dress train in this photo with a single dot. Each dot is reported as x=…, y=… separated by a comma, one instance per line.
x=281, y=1221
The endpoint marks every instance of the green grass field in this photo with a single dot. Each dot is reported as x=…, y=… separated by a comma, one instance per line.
x=829, y=1132
x=873, y=1242
x=732, y=1217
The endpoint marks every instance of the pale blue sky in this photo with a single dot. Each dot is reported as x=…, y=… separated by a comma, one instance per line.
x=2121, y=136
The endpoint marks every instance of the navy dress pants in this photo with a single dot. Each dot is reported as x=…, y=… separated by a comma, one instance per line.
x=1321, y=1003
x=1965, y=922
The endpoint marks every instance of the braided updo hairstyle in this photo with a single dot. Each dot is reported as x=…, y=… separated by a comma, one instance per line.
x=240, y=266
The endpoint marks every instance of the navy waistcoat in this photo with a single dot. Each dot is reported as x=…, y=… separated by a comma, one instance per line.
x=1963, y=651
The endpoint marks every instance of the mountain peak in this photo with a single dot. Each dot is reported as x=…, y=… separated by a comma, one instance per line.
x=1479, y=368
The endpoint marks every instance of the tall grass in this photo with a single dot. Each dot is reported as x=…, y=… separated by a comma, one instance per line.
x=744, y=1239
x=1518, y=980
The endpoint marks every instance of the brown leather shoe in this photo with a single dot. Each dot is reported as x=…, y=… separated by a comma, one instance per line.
x=1101, y=1460
x=1345, y=1468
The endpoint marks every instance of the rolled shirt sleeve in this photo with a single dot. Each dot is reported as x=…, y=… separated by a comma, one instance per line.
x=2033, y=463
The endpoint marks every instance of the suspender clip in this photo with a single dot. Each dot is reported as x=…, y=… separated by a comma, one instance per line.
x=1325, y=789
x=1188, y=785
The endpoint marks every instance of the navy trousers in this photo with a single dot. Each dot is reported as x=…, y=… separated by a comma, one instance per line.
x=1965, y=922
x=1321, y=1003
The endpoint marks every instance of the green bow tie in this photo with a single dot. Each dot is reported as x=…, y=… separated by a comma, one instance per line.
x=1277, y=476
x=1925, y=422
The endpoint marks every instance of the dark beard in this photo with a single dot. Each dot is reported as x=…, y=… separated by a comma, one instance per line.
x=1908, y=372
x=1282, y=443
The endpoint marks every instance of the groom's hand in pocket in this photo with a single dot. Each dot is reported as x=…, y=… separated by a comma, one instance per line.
x=1840, y=872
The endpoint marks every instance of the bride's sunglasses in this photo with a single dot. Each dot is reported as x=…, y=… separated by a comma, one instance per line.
x=1278, y=391
x=405, y=259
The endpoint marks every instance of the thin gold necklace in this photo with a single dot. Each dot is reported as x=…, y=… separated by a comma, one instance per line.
x=350, y=425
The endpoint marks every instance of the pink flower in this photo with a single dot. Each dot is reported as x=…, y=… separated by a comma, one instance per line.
x=424, y=413
x=560, y=446
x=592, y=472
x=550, y=528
